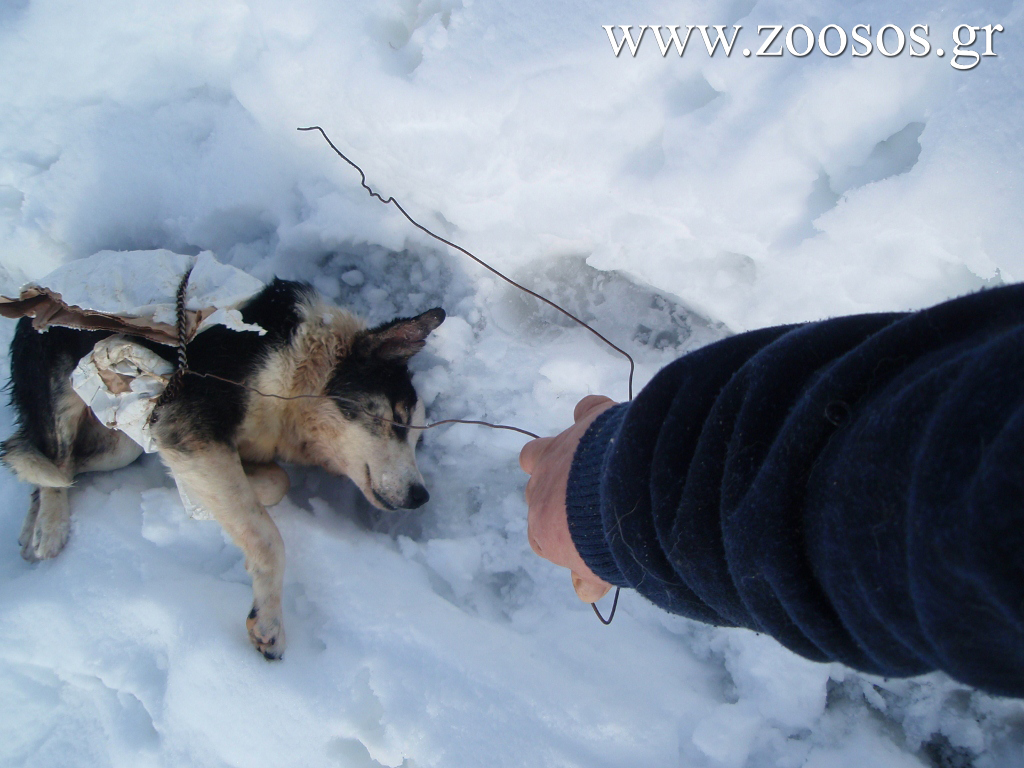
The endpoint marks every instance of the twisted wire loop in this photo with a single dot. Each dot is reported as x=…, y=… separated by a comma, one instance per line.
x=175, y=381
x=392, y=201
x=481, y=262
x=615, y=604
x=173, y=387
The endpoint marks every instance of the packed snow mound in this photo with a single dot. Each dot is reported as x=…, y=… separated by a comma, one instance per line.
x=145, y=284
x=669, y=200
x=138, y=291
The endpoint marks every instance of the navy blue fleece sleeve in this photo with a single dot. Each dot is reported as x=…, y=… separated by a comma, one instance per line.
x=853, y=487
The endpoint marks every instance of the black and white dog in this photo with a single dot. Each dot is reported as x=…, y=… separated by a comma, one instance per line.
x=220, y=440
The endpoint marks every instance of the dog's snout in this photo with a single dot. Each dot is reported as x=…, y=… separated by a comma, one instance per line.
x=416, y=497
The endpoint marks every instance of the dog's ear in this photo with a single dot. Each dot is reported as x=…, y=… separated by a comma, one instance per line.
x=402, y=338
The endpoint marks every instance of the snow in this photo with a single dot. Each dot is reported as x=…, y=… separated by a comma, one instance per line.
x=671, y=201
x=145, y=285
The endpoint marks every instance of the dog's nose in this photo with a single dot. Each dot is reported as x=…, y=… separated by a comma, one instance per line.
x=416, y=497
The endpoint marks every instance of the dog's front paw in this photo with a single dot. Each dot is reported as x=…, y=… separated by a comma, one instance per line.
x=266, y=632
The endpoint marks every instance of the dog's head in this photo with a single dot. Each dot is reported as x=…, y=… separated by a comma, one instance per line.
x=372, y=388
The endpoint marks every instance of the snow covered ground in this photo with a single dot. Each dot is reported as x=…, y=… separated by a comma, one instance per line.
x=671, y=200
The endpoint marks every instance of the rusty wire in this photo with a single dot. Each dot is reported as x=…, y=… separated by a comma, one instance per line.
x=183, y=370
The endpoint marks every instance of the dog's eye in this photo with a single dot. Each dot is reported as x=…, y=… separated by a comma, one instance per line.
x=379, y=411
x=348, y=409
x=401, y=414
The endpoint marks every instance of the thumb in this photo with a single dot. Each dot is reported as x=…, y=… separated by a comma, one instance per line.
x=588, y=404
x=587, y=590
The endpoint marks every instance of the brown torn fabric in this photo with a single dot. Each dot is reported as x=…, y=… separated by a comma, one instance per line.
x=47, y=308
x=135, y=293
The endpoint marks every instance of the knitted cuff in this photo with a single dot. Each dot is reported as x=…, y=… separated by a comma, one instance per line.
x=583, y=494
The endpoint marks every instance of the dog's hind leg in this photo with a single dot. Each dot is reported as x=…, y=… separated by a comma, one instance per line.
x=30, y=522
x=98, y=449
x=50, y=524
x=213, y=477
x=58, y=436
x=81, y=444
x=48, y=521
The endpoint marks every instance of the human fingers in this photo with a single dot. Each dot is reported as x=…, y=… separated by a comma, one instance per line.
x=531, y=453
x=588, y=404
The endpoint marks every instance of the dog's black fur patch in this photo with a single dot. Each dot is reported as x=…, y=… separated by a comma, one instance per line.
x=362, y=377
x=215, y=409
x=41, y=365
x=377, y=365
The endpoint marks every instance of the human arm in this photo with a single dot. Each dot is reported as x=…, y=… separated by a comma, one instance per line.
x=839, y=485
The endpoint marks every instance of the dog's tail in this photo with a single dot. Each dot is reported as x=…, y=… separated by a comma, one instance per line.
x=31, y=466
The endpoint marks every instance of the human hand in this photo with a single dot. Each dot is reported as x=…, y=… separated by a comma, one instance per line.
x=547, y=460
